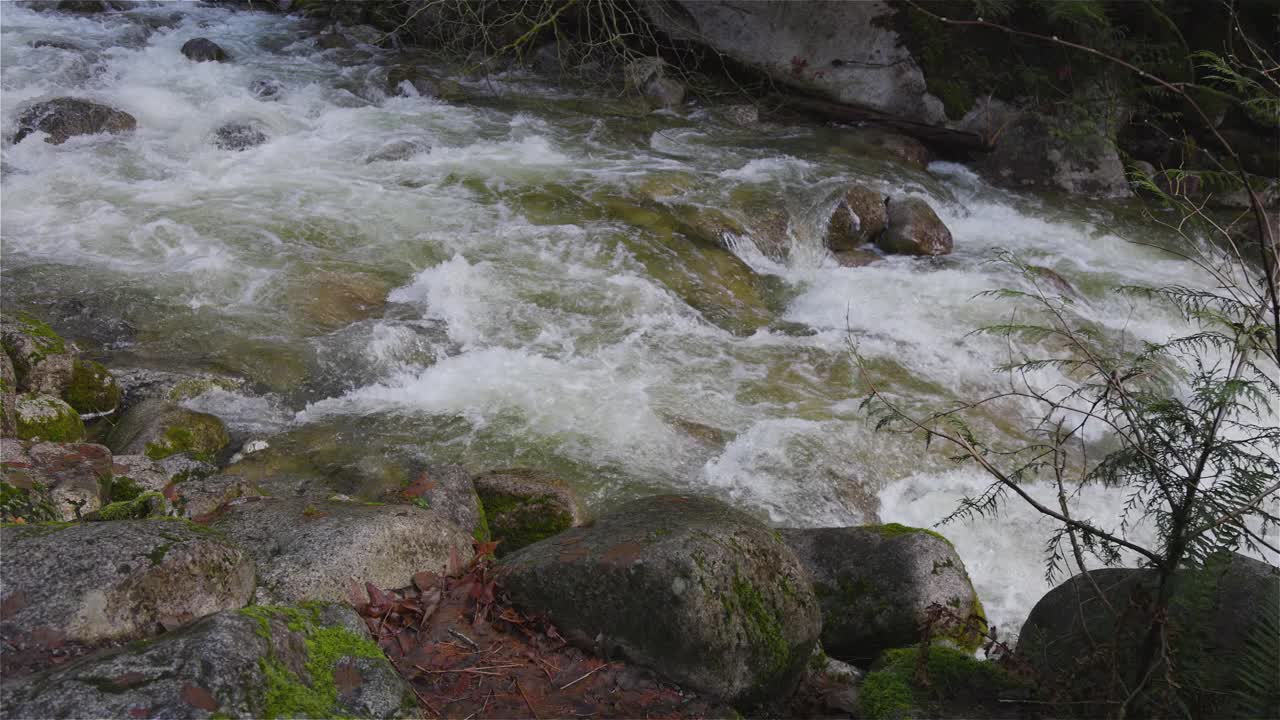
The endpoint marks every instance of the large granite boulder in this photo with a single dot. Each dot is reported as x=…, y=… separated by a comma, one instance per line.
x=875, y=585
x=53, y=481
x=1223, y=634
x=115, y=580
x=258, y=662
x=65, y=117
x=700, y=592
x=313, y=548
x=524, y=506
x=158, y=429
x=914, y=229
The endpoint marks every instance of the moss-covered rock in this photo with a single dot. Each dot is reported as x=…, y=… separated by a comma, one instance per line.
x=702, y=593
x=46, y=417
x=876, y=583
x=308, y=661
x=914, y=229
x=91, y=389
x=42, y=360
x=954, y=685
x=159, y=429
x=524, y=506
x=145, y=505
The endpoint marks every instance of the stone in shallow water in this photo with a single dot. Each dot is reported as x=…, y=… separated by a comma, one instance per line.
x=64, y=118
x=266, y=89
x=203, y=50
x=159, y=429
x=238, y=136
x=914, y=229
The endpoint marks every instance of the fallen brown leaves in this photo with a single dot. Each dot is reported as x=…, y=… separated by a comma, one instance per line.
x=467, y=654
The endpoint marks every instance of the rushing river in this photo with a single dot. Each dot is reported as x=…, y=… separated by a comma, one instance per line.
x=537, y=309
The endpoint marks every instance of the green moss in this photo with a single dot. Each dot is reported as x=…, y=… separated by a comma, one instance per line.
x=764, y=629
x=30, y=504
x=958, y=682
x=39, y=528
x=156, y=556
x=139, y=507
x=886, y=696
x=895, y=530
x=289, y=694
x=47, y=418
x=121, y=488
x=92, y=388
x=198, y=434
x=481, y=531
x=521, y=521
x=46, y=340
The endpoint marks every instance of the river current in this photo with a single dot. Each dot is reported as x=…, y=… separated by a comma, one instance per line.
x=481, y=298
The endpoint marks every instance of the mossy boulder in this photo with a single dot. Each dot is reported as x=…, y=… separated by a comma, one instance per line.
x=524, y=506
x=313, y=661
x=91, y=389
x=914, y=229
x=859, y=216
x=45, y=417
x=875, y=585
x=117, y=580
x=311, y=548
x=1222, y=630
x=148, y=504
x=42, y=361
x=158, y=429
x=63, y=481
x=702, y=593
x=954, y=685
x=65, y=117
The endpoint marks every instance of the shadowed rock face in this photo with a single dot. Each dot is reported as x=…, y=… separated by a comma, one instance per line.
x=702, y=593
x=64, y=118
x=203, y=50
x=117, y=580
x=914, y=229
x=260, y=662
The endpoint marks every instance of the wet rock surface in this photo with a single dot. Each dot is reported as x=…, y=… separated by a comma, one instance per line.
x=203, y=50
x=524, y=506
x=64, y=118
x=159, y=429
x=914, y=229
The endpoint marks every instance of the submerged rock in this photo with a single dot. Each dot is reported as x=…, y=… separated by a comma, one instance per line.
x=858, y=217
x=42, y=361
x=524, y=506
x=266, y=89
x=115, y=580
x=283, y=662
x=700, y=592
x=68, y=479
x=875, y=584
x=310, y=549
x=331, y=300
x=397, y=150
x=64, y=118
x=45, y=417
x=203, y=50
x=410, y=80
x=238, y=136
x=860, y=257
x=158, y=429
x=914, y=229
x=1222, y=628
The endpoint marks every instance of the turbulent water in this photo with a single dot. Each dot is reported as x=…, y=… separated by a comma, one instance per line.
x=537, y=313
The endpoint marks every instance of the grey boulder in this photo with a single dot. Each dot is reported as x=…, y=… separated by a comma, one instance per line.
x=65, y=117
x=914, y=229
x=159, y=429
x=53, y=481
x=238, y=136
x=203, y=50
x=858, y=217
x=42, y=362
x=700, y=592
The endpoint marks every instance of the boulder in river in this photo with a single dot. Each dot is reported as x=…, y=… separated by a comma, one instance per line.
x=238, y=136
x=914, y=229
x=266, y=89
x=45, y=417
x=257, y=662
x=397, y=150
x=449, y=492
x=858, y=217
x=875, y=584
x=158, y=429
x=702, y=593
x=312, y=548
x=410, y=80
x=53, y=480
x=120, y=580
x=203, y=50
x=524, y=506
x=42, y=361
x=1222, y=631
x=64, y=118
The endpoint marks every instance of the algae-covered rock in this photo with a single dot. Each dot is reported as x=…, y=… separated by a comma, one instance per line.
x=8, y=395
x=955, y=685
x=875, y=583
x=702, y=593
x=914, y=229
x=65, y=117
x=148, y=504
x=858, y=217
x=91, y=389
x=55, y=481
x=42, y=360
x=310, y=661
x=116, y=580
x=524, y=506
x=310, y=549
x=8, y=377
x=159, y=429
x=45, y=417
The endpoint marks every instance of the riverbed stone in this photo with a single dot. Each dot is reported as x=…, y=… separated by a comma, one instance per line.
x=312, y=548
x=1222, y=627
x=702, y=593
x=203, y=50
x=255, y=662
x=42, y=361
x=53, y=481
x=875, y=584
x=266, y=89
x=118, y=580
x=397, y=150
x=66, y=117
x=92, y=389
x=45, y=417
x=158, y=429
x=914, y=229
x=239, y=136
x=329, y=300
x=523, y=506
x=858, y=257
x=858, y=217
